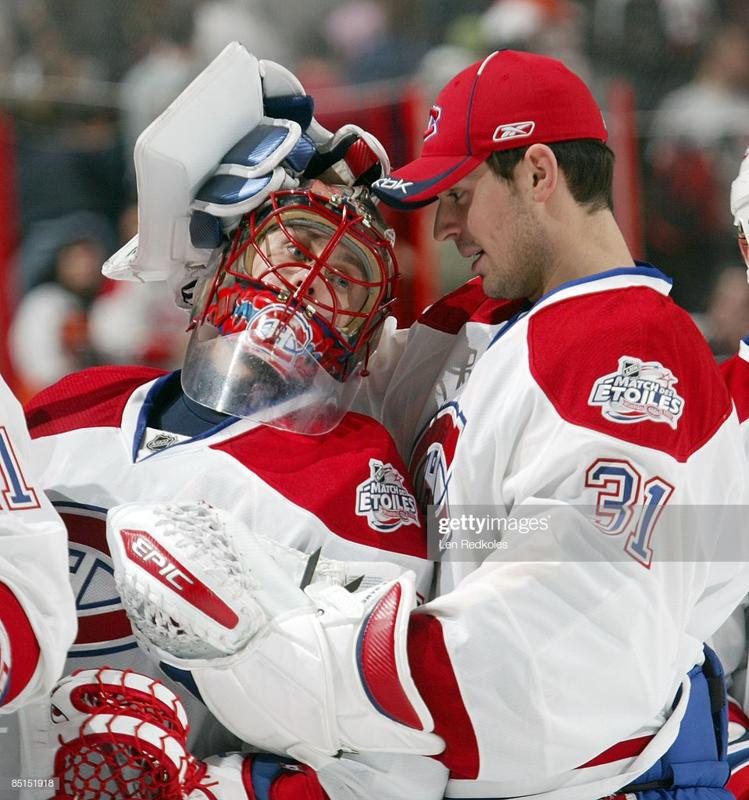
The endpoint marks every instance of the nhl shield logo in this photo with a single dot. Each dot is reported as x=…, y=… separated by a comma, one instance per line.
x=638, y=391
x=384, y=500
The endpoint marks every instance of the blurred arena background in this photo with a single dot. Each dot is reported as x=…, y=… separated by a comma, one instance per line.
x=79, y=80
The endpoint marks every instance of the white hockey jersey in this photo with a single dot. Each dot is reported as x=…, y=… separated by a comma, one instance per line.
x=593, y=437
x=37, y=617
x=92, y=451
x=426, y=368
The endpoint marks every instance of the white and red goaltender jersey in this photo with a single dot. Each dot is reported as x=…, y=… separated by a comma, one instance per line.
x=37, y=614
x=557, y=667
x=93, y=451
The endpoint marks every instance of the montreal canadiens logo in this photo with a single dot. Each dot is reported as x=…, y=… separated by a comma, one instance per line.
x=384, y=500
x=103, y=625
x=432, y=457
x=290, y=333
x=638, y=391
x=435, y=112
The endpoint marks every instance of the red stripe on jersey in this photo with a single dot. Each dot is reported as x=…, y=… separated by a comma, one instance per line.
x=629, y=748
x=24, y=647
x=293, y=782
x=300, y=784
x=377, y=664
x=468, y=303
x=738, y=783
x=736, y=714
x=89, y=399
x=433, y=675
x=247, y=778
x=735, y=373
x=328, y=470
x=576, y=342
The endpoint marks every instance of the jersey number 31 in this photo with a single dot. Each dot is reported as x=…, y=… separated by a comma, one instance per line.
x=626, y=502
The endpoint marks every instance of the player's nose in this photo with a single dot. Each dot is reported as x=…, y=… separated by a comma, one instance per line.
x=446, y=223
x=302, y=276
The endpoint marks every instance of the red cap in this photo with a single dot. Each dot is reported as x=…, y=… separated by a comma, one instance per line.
x=508, y=100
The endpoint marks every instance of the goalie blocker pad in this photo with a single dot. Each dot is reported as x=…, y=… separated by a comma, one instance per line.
x=323, y=680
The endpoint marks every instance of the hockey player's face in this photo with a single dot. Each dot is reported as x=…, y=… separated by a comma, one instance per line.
x=339, y=283
x=490, y=222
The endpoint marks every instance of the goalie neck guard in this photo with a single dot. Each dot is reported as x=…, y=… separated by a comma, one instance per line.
x=283, y=326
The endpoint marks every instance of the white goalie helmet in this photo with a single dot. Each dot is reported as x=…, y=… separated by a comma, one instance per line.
x=283, y=325
x=740, y=207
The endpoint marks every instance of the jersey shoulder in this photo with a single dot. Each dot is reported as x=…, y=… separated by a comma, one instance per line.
x=91, y=398
x=631, y=364
x=467, y=303
x=351, y=478
x=735, y=373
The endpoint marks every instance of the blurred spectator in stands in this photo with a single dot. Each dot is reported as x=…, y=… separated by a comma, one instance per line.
x=551, y=27
x=726, y=319
x=218, y=22
x=138, y=323
x=151, y=83
x=655, y=43
x=712, y=109
x=49, y=333
x=40, y=247
x=698, y=135
x=371, y=41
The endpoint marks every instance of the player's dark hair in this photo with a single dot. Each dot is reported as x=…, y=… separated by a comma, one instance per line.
x=587, y=164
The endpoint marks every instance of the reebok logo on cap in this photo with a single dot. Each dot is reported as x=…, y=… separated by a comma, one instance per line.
x=514, y=130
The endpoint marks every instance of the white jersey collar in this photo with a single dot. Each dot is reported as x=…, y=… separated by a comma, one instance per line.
x=134, y=427
x=618, y=278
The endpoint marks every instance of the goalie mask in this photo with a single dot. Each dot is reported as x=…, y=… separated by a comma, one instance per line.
x=283, y=327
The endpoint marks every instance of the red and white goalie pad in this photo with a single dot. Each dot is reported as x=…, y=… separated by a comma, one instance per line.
x=123, y=735
x=300, y=673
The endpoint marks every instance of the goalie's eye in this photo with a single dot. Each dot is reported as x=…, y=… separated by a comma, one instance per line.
x=337, y=281
x=296, y=253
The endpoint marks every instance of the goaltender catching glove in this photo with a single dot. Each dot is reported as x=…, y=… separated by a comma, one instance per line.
x=302, y=673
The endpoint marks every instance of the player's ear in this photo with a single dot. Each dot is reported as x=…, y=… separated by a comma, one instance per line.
x=543, y=171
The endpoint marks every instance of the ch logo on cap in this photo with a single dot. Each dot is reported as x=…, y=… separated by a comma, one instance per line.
x=513, y=130
x=435, y=112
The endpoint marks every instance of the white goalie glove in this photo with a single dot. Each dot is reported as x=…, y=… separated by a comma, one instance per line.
x=302, y=673
x=124, y=735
